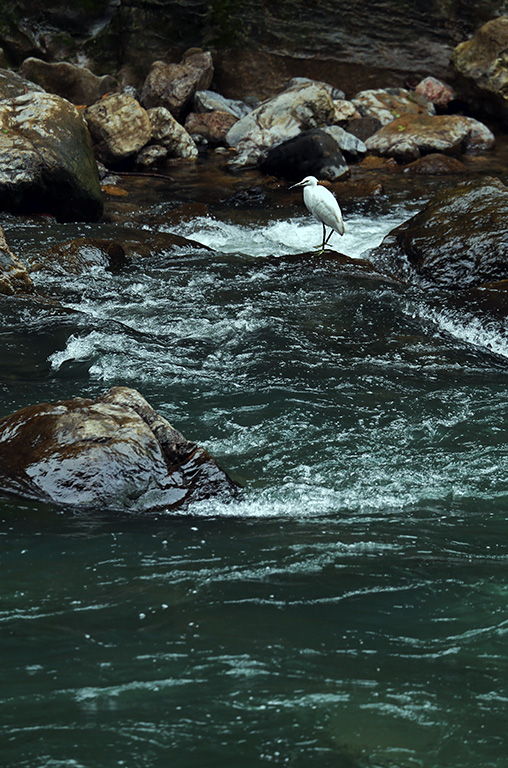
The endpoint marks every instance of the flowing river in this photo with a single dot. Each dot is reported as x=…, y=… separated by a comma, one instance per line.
x=350, y=609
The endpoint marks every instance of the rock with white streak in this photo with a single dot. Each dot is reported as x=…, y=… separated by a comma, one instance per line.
x=167, y=132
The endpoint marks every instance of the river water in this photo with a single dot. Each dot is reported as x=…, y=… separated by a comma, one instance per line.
x=350, y=609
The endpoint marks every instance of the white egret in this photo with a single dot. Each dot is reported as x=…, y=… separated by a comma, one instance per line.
x=323, y=205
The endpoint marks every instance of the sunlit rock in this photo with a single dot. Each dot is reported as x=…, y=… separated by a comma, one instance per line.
x=481, y=66
x=119, y=125
x=46, y=159
x=113, y=453
x=458, y=240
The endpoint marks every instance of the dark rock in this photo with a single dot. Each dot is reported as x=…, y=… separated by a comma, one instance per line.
x=173, y=86
x=459, y=240
x=46, y=159
x=482, y=68
x=113, y=453
x=364, y=127
x=313, y=153
x=77, y=84
x=436, y=165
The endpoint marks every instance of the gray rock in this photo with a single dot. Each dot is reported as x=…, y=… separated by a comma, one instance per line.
x=349, y=144
x=120, y=127
x=12, y=84
x=301, y=107
x=209, y=101
x=46, y=159
x=113, y=453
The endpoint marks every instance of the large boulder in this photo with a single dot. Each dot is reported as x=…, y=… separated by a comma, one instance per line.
x=12, y=84
x=77, y=84
x=410, y=136
x=46, y=159
x=302, y=106
x=113, y=453
x=173, y=85
x=481, y=66
x=313, y=153
x=120, y=127
x=459, y=240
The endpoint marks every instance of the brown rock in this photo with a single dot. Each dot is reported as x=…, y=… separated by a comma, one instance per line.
x=78, y=256
x=173, y=85
x=211, y=126
x=119, y=126
x=76, y=84
x=436, y=164
x=14, y=277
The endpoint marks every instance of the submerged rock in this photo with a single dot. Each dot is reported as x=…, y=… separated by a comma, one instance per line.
x=459, y=240
x=120, y=127
x=78, y=256
x=46, y=159
x=113, y=453
x=481, y=66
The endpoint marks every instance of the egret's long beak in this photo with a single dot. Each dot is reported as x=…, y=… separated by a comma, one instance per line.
x=299, y=184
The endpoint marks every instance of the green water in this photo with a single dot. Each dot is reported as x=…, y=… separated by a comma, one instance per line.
x=350, y=609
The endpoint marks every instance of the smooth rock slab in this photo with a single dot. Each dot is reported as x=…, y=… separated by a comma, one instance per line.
x=113, y=453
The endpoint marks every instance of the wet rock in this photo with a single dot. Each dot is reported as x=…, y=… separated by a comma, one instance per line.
x=12, y=84
x=46, y=159
x=300, y=107
x=411, y=136
x=119, y=126
x=351, y=146
x=113, y=453
x=168, y=133
x=436, y=164
x=14, y=277
x=77, y=84
x=173, y=85
x=439, y=93
x=459, y=240
x=388, y=104
x=481, y=67
x=313, y=153
x=211, y=127
x=77, y=256
x=209, y=101
x=480, y=138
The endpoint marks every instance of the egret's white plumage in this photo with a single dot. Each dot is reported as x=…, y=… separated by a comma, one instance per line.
x=323, y=205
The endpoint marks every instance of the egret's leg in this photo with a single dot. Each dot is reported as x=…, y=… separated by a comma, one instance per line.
x=324, y=235
x=329, y=236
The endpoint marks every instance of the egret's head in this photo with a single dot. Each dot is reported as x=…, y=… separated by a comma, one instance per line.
x=308, y=181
